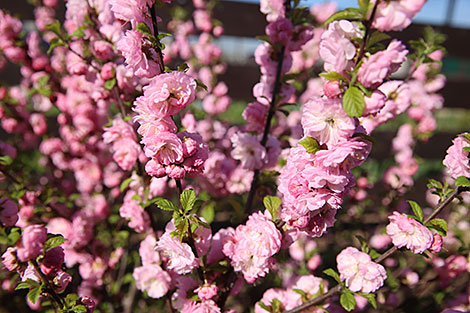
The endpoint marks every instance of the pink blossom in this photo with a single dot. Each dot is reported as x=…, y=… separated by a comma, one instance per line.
x=207, y=306
x=311, y=285
x=10, y=260
x=396, y=15
x=53, y=260
x=207, y=292
x=322, y=11
x=332, y=89
x=382, y=64
x=248, y=150
x=436, y=245
x=380, y=241
x=181, y=258
x=289, y=299
x=326, y=121
x=8, y=212
x=147, y=251
x=202, y=20
x=138, y=218
x=38, y=123
x=280, y=31
x=336, y=48
x=153, y=168
x=457, y=160
x=406, y=231
x=359, y=271
x=252, y=246
x=169, y=93
x=61, y=280
x=274, y=9
x=166, y=148
x=130, y=45
x=255, y=115
x=32, y=242
x=133, y=11
x=152, y=279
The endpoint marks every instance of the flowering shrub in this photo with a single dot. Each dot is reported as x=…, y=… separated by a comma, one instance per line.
x=123, y=188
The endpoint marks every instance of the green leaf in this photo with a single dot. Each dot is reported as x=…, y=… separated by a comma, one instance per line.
x=109, y=84
x=353, y=102
x=14, y=235
x=432, y=183
x=188, y=198
x=144, y=29
x=263, y=38
x=276, y=305
x=34, y=294
x=183, y=67
x=416, y=210
x=78, y=33
x=370, y=298
x=208, y=212
x=55, y=28
x=300, y=292
x=79, y=309
x=264, y=306
x=347, y=300
x=332, y=273
x=200, y=84
x=165, y=204
x=54, y=241
x=5, y=160
x=346, y=14
x=363, y=6
x=376, y=37
x=272, y=204
x=439, y=225
x=466, y=149
x=163, y=35
x=54, y=43
x=125, y=183
x=28, y=283
x=366, y=137
x=462, y=181
x=333, y=76
x=310, y=144
x=71, y=298
x=364, y=245
x=374, y=254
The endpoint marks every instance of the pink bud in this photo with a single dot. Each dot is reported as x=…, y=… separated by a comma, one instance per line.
x=107, y=71
x=436, y=245
x=207, y=292
x=153, y=168
x=332, y=89
x=174, y=171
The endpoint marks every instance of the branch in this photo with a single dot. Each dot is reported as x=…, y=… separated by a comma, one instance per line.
x=385, y=255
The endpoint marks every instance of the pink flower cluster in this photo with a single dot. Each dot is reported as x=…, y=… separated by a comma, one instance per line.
x=125, y=148
x=360, y=273
x=457, y=160
x=150, y=277
x=406, y=231
x=313, y=185
x=252, y=246
x=175, y=155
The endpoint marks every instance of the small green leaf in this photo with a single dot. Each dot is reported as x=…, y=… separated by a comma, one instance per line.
x=353, y=102
x=310, y=144
x=370, y=298
x=200, y=84
x=347, y=300
x=333, y=76
x=71, y=298
x=332, y=273
x=34, y=294
x=14, y=235
x=5, y=160
x=276, y=305
x=462, y=181
x=54, y=241
x=55, y=28
x=144, y=29
x=163, y=35
x=416, y=210
x=466, y=149
x=79, y=309
x=165, y=204
x=439, y=225
x=54, y=43
x=376, y=37
x=183, y=67
x=109, y=84
x=263, y=38
x=28, y=283
x=272, y=204
x=188, y=198
x=264, y=306
x=364, y=245
x=374, y=254
x=346, y=14
x=125, y=183
x=78, y=33
x=300, y=292
x=366, y=137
